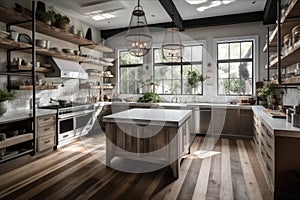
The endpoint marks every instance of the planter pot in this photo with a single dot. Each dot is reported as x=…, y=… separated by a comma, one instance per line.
x=62, y=25
x=3, y=108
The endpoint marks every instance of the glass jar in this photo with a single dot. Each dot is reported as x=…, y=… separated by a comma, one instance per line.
x=297, y=70
x=287, y=41
x=296, y=35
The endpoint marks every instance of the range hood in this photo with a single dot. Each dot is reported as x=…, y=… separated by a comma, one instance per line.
x=66, y=69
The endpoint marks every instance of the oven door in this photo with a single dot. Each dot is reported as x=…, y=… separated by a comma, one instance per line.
x=65, y=129
x=83, y=123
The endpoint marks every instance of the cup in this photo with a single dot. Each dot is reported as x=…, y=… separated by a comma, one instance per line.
x=14, y=35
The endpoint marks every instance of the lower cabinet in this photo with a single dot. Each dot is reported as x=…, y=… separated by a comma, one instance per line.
x=46, y=132
x=227, y=121
x=279, y=158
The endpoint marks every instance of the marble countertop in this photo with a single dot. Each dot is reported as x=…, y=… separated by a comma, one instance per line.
x=150, y=117
x=279, y=126
x=186, y=105
x=18, y=115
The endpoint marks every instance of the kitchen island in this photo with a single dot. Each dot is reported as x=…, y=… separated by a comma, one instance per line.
x=153, y=135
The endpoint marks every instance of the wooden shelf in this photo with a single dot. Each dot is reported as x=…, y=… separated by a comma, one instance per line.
x=289, y=21
x=16, y=140
x=11, y=16
x=291, y=80
x=28, y=68
x=19, y=154
x=288, y=59
x=96, y=87
x=11, y=44
x=29, y=87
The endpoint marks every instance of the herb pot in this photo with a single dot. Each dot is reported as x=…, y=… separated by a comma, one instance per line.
x=3, y=108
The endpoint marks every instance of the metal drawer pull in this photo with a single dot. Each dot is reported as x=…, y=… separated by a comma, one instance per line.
x=269, y=156
x=46, y=129
x=47, y=141
x=45, y=119
x=262, y=153
x=262, y=143
x=65, y=136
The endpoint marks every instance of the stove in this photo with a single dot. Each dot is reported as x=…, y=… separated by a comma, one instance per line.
x=72, y=120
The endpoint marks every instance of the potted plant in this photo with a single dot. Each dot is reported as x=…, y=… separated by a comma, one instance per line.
x=61, y=21
x=47, y=17
x=194, y=78
x=5, y=96
x=266, y=93
x=150, y=97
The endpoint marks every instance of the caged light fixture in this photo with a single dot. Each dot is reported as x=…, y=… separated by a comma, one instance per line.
x=138, y=39
x=172, y=48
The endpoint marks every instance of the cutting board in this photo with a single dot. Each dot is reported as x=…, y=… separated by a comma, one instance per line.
x=275, y=113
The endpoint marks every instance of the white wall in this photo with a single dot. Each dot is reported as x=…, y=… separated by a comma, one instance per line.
x=208, y=35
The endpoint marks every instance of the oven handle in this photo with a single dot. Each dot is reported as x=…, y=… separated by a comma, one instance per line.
x=76, y=115
x=83, y=114
x=65, y=118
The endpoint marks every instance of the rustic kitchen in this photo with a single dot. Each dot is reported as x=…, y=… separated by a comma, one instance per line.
x=142, y=99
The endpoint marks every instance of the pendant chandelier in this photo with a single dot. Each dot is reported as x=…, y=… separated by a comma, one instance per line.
x=138, y=39
x=172, y=48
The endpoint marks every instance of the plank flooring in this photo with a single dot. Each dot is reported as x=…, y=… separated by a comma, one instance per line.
x=76, y=172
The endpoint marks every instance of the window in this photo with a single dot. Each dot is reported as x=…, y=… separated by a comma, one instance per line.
x=131, y=72
x=170, y=78
x=235, y=67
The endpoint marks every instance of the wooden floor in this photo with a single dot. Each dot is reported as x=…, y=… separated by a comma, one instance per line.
x=73, y=172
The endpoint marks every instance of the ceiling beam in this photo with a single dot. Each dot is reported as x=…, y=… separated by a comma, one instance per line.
x=224, y=20
x=201, y=22
x=172, y=11
x=270, y=12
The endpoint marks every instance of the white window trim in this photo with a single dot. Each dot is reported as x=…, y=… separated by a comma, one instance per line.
x=255, y=40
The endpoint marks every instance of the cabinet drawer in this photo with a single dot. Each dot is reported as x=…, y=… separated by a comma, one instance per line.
x=47, y=119
x=46, y=130
x=46, y=142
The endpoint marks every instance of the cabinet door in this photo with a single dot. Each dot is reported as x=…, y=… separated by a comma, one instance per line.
x=246, y=122
x=231, y=124
x=205, y=117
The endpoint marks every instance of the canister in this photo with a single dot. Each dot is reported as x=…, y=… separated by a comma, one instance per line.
x=287, y=41
x=296, y=34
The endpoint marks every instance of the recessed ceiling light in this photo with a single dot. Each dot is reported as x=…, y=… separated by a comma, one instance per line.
x=97, y=17
x=193, y=2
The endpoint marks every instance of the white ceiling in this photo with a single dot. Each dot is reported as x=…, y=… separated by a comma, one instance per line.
x=155, y=13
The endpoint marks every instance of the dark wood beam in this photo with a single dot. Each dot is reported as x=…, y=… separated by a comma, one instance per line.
x=201, y=22
x=224, y=20
x=172, y=11
x=270, y=12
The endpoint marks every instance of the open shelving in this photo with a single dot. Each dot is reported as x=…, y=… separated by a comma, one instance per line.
x=16, y=140
x=290, y=56
x=12, y=16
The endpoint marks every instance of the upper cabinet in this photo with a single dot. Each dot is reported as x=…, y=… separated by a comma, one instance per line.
x=290, y=44
x=10, y=16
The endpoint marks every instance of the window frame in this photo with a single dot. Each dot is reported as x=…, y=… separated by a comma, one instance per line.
x=181, y=64
x=125, y=66
x=254, y=40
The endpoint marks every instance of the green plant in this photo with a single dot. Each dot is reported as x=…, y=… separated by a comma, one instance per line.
x=6, y=96
x=150, y=97
x=268, y=89
x=194, y=78
x=61, y=19
x=46, y=16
